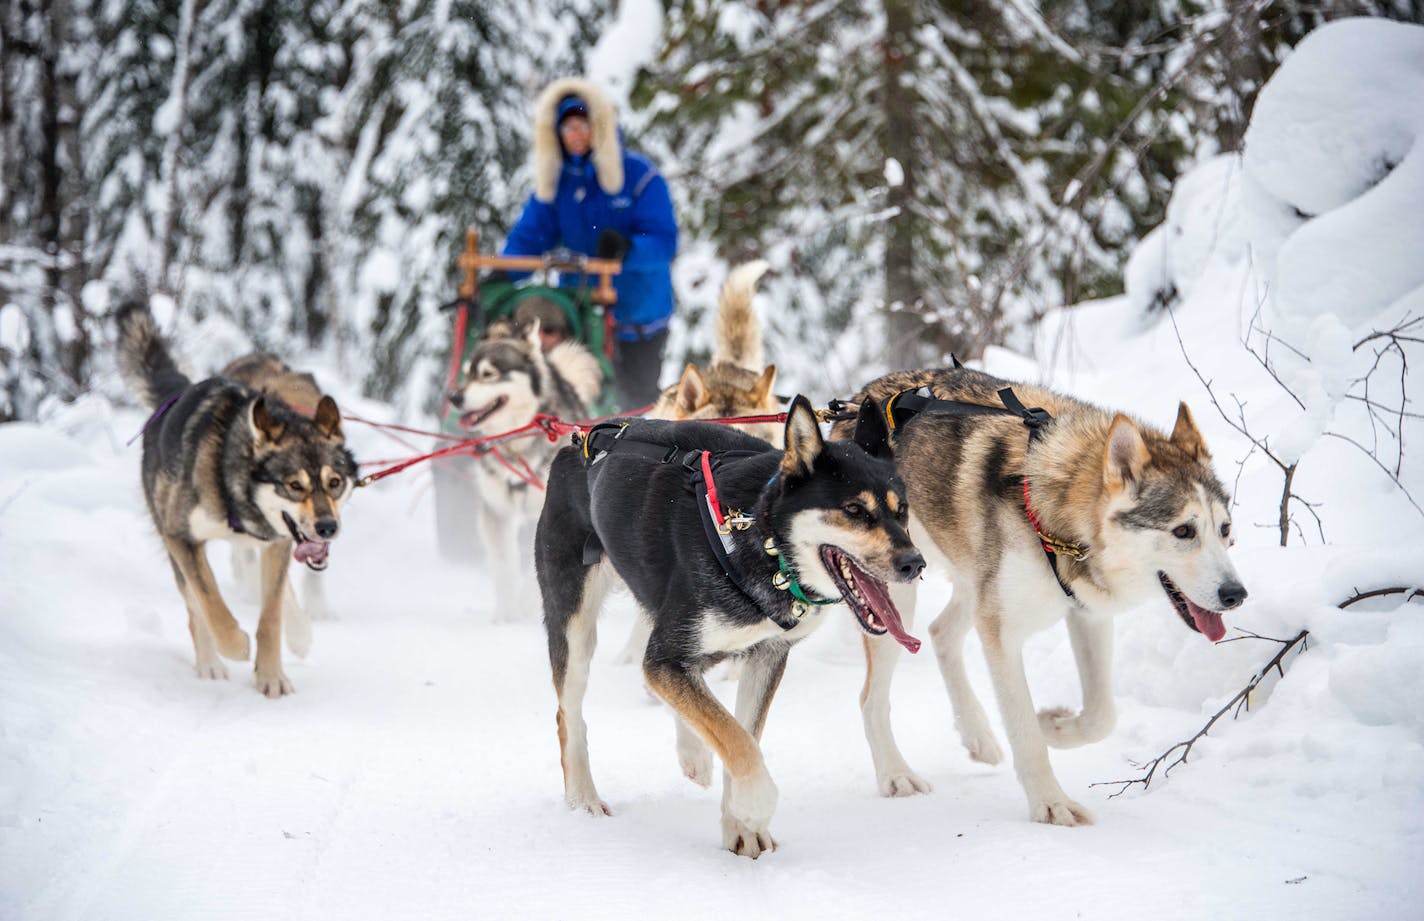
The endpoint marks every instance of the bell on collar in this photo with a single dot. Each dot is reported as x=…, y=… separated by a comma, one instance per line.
x=769, y=545
x=799, y=609
x=781, y=579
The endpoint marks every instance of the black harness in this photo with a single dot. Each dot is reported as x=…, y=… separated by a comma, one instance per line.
x=907, y=404
x=611, y=437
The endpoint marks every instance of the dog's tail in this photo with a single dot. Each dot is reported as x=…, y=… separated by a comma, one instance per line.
x=738, y=335
x=144, y=361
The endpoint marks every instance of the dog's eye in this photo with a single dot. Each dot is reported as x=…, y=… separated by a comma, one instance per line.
x=488, y=374
x=294, y=485
x=854, y=509
x=334, y=484
x=1226, y=529
x=1184, y=531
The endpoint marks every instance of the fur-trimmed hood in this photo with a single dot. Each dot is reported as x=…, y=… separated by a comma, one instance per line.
x=606, y=153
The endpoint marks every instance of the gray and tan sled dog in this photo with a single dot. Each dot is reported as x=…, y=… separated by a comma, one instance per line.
x=1061, y=511
x=736, y=382
x=731, y=548
x=268, y=374
x=222, y=462
x=507, y=382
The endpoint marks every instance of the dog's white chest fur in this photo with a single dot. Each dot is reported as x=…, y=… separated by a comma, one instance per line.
x=719, y=636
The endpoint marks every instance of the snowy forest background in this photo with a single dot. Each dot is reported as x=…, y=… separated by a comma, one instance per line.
x=298, y=175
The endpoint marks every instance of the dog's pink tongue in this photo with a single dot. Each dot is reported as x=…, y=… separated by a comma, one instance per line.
x=311, y=551
x=1208, y=622
x=878, y=596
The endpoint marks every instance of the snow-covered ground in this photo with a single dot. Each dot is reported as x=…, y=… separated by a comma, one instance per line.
x=415, y=773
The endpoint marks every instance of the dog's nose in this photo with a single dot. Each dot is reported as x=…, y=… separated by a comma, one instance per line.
x=1231, y=595
x=326, y=528
x=457, y=399
x=909, y=565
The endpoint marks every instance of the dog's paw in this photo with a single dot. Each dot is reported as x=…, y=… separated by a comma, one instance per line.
x=746, y=840
x=212, y=670
x=696, y=763
x=589, y=806
x=1060, y=812
x=905, y=783
x=981, y=745
x=273, y=683
x=1065, y=728
x=235, y=645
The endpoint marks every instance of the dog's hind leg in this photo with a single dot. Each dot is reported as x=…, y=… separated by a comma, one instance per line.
x=196, y=582
x=948, y=632
x=1092, y=639
x=749, y=796
x=637, y=641
x=571, y=619
x=276, y=560
x=892, y=772
x=1047, y=802
x=296, y=623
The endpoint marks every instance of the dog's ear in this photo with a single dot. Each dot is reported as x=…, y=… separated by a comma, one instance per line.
x=328, y=418
x=265, y=426
x=803, y=439
x=532, y=336
x=692, y=393
x=1126, y=455
x=871, y=432
x=1187, y=436
x=762, y=388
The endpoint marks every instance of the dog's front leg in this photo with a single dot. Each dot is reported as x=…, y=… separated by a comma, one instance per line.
x=200, y=590
x=499, y=529
x=892, y=772
x=276, y=560
x=1046, y=800
x=1092, y=639
x=749, y=795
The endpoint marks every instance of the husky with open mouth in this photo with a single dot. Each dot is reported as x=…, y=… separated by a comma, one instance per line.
x=1042, y=508
x=508, y=381
x=224, y=462
x=731, y=548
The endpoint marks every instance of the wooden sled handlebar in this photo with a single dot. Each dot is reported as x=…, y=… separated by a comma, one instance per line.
x=471, y=262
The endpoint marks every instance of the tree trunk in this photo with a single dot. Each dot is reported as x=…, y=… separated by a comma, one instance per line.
x=904, y=343
x=166, y=221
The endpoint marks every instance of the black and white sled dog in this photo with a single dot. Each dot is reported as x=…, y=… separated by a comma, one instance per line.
x=223, y=462
x=731, y=547
x=508, y=381
x=1042, y=508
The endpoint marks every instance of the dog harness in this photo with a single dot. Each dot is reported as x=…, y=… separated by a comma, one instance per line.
x=718, y=524
x=907, y=404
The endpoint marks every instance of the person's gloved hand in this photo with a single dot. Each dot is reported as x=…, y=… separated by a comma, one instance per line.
x=612, y=245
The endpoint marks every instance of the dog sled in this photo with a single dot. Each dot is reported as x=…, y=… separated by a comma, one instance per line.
x=581, y=311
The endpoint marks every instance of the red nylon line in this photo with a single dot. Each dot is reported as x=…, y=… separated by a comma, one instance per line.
x=402, y=428
x=739, y=420
x=712, y=499
x=527, y=474
x=1033, y=519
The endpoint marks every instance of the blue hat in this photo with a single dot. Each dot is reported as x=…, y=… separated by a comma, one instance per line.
x=570, y=105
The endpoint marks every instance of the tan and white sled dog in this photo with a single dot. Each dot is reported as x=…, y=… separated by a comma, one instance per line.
x=265, y=373
x=508, y=380
x=1134, y=516
x=735, y=383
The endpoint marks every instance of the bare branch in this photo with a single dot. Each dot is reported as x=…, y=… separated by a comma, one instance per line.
x=1242, y=699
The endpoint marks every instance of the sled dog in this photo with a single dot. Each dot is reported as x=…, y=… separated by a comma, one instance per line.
x=222, y=462
x=267, y=374
x=508, y=381
x=1080, y=517
x=823, y=523
x=736, y=383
